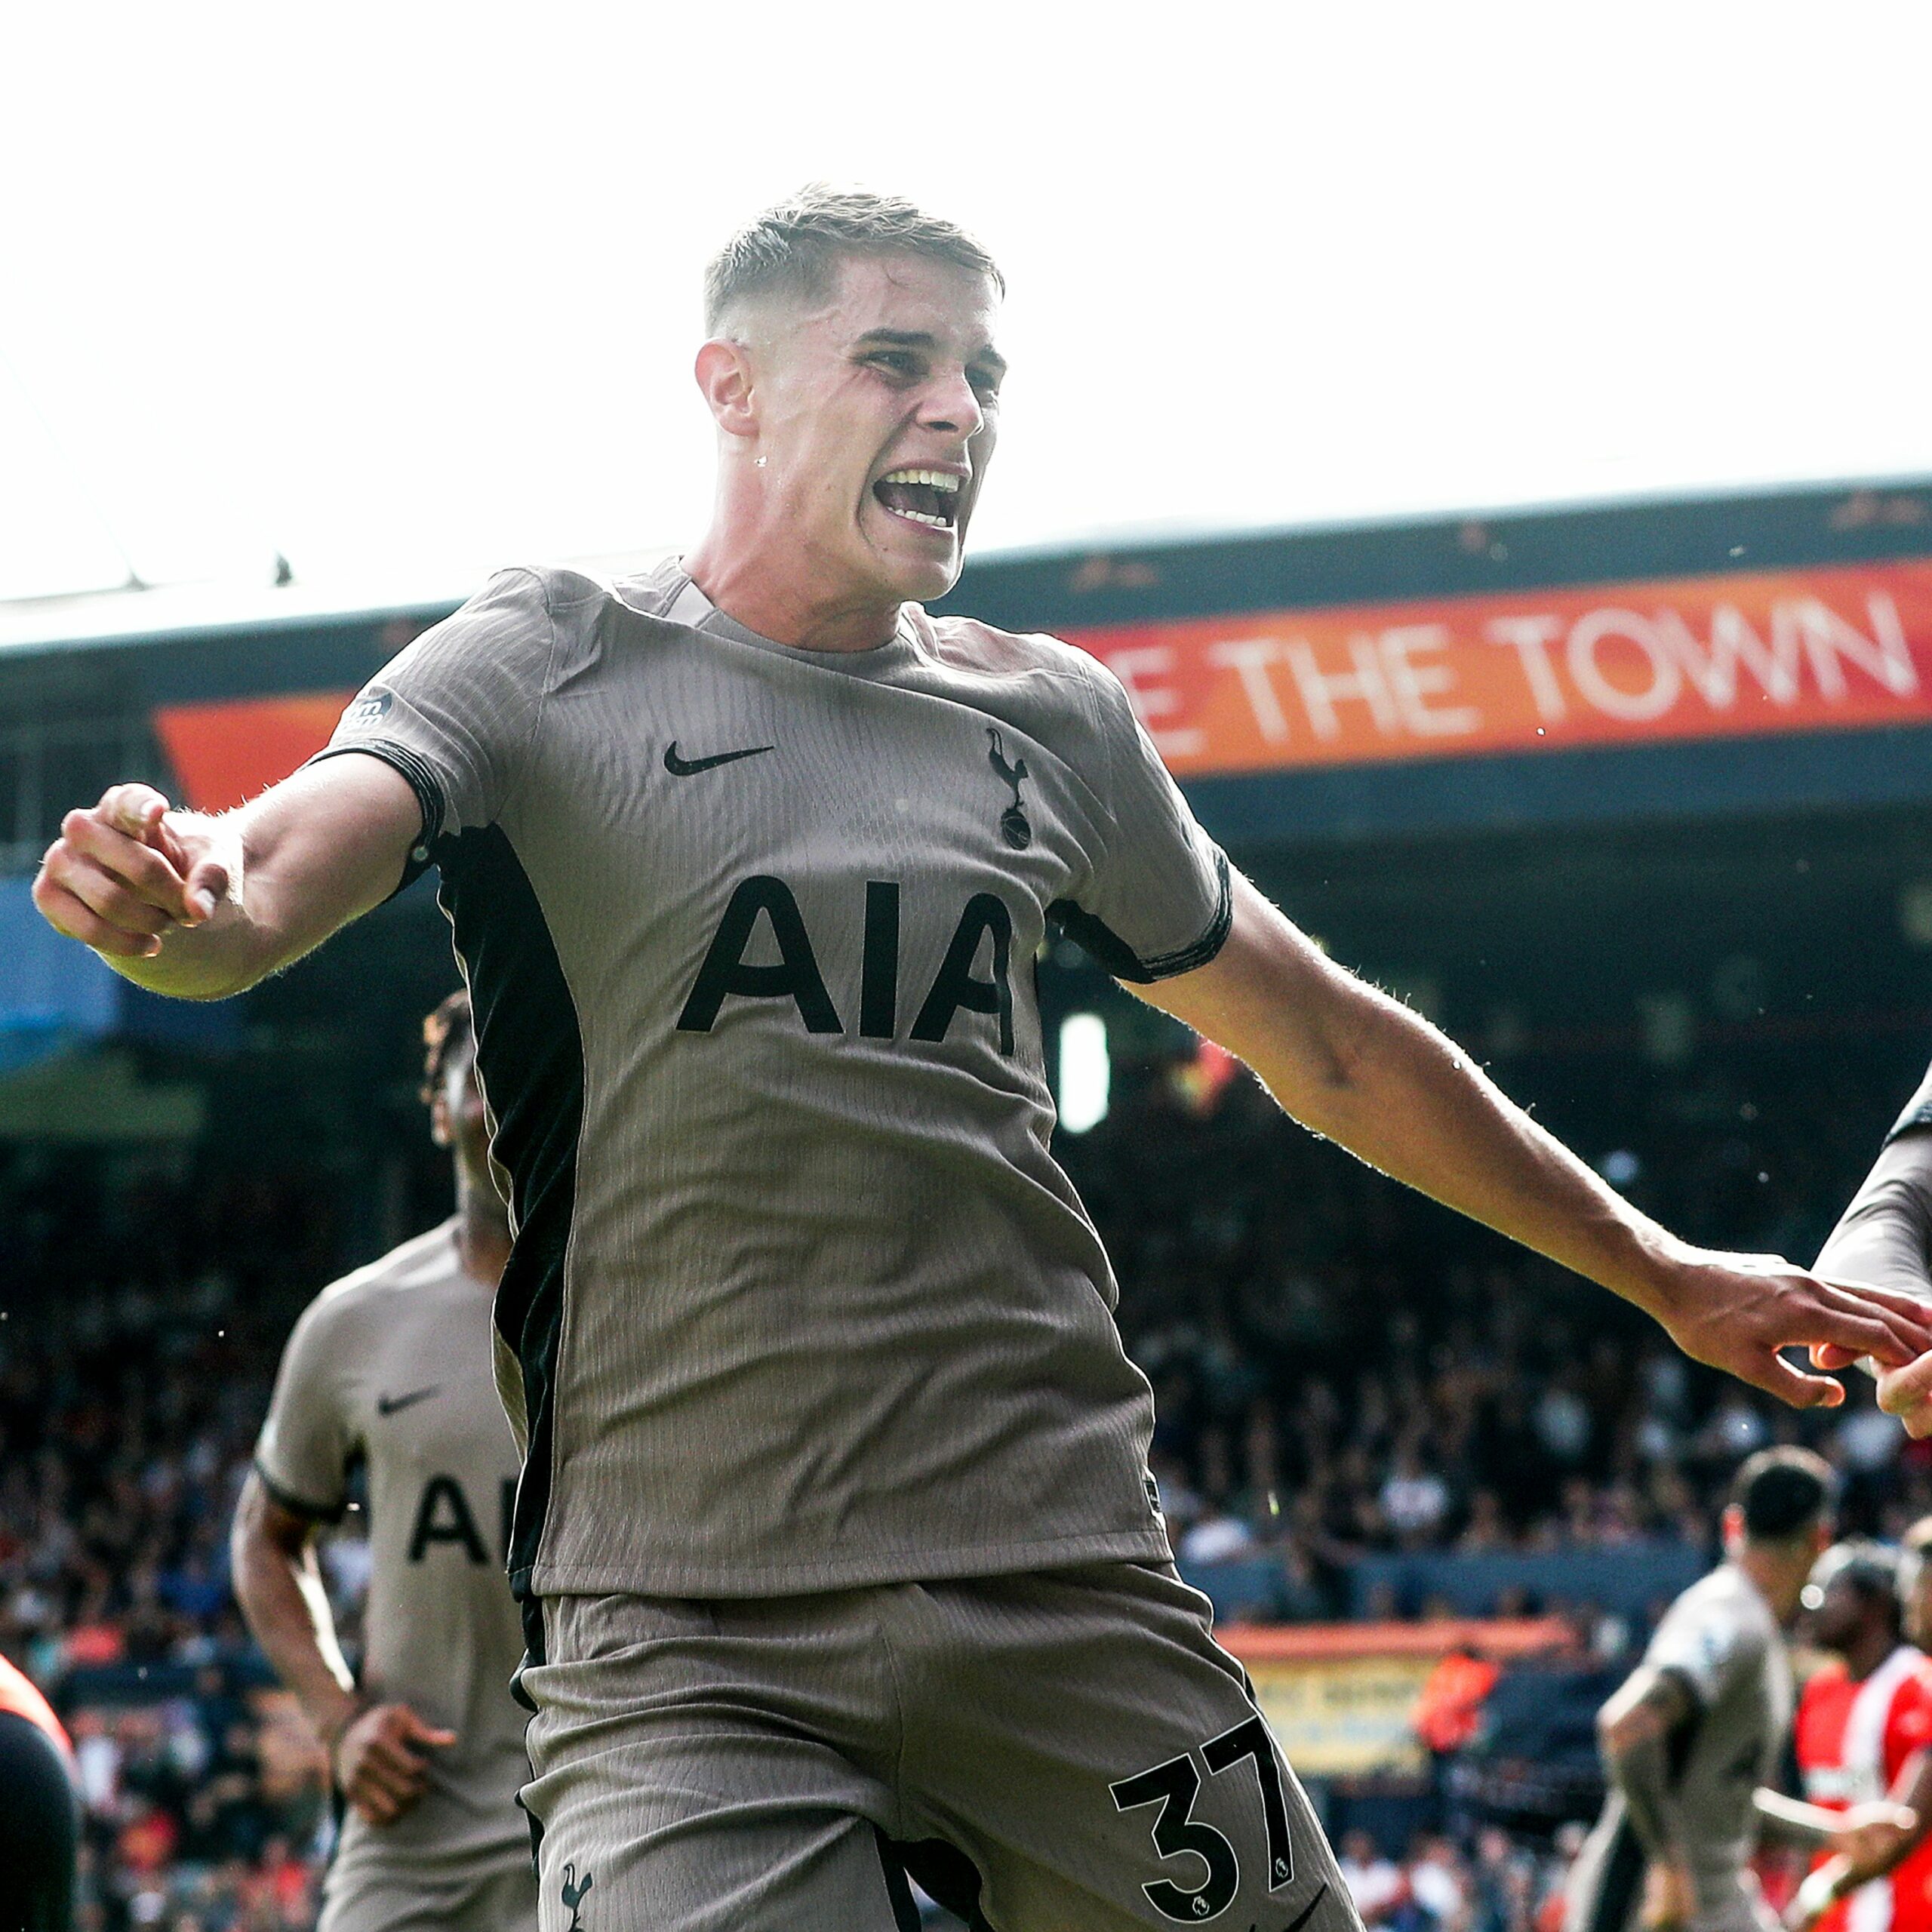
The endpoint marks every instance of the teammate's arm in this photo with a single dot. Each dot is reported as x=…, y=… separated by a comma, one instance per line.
x=272, y=1552
x=1635, y=1729
x=198, y=907
x=1885, y=1237
x=1868, y=1834
x=1359, y=1067
x=377, y=1754
x=1633, y=1732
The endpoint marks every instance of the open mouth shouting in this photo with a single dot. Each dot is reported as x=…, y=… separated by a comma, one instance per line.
x=927, y=496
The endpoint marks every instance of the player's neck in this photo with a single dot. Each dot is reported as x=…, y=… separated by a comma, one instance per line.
x=767, y=587
x=1777, y=1577
x=482, y=1232
x=1865, y=1653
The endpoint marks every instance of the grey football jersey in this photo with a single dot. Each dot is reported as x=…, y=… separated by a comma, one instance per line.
x=392, y=1366
x=1918, y=1109
x=798, y=1298
x=1721, y=1639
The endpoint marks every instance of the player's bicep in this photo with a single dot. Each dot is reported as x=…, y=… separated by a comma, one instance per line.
x=1272, y=996
x=1883, y=1238
x=323, y=847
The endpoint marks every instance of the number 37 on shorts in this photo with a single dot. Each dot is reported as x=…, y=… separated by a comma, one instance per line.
x=1174, y=1785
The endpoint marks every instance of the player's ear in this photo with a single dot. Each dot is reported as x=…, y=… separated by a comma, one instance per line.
x=439, y=1118
x=724, y=379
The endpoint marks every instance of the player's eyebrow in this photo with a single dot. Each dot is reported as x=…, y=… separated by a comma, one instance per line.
x=987, y=358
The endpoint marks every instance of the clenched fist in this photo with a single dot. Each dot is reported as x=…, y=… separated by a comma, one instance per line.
x=126, y=872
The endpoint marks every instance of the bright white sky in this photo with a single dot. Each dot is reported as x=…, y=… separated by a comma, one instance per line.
x=409, y=291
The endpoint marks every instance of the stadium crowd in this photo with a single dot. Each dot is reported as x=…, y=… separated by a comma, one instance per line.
x=1340, y=1369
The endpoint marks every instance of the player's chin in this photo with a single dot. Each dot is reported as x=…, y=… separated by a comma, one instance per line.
x=918, y=564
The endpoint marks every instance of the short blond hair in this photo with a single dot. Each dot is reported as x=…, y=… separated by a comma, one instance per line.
x=794, y=247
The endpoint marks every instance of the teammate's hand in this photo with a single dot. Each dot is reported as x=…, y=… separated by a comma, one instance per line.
x=1872, y=1839
x=382, y=1761
x=125, y=872
x=1906, y=1393
x=1670, y=1901
x=1821, y=1890
x=1736, y=1311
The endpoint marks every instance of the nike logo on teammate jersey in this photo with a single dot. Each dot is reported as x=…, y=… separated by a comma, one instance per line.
x=685, y=767
x=387, y=1405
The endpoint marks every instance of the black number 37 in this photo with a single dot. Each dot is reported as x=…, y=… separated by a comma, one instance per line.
x=1174, y=1786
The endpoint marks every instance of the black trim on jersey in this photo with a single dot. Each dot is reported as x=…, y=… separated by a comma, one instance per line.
x=942, y=1871
x=530, y=1055
x=421, y=780
x=1699, y=1703
x=1613, y=1906
x=298, y=1506
x=1109, y=950
x=1918, y=1113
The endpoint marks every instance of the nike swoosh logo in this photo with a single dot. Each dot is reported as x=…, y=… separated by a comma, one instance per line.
x=387, y=1405
x=1301, y=1918
x=684, y=767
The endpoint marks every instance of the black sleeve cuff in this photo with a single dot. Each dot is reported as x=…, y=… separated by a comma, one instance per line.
x=422, y=780
x=1919, y=1114
x=1108, y=950
x=298, y=1505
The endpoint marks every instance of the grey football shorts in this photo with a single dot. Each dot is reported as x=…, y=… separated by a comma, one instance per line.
x=408, y=1891
x=1067, y=1751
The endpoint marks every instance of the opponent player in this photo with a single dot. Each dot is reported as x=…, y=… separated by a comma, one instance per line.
x=1863, y=1723
x=40, y=1822
x=1693, y=1738
x=835, y=1519
x=392, y=1368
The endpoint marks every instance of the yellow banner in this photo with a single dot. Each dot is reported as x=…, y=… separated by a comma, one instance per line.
x=1336, y=1716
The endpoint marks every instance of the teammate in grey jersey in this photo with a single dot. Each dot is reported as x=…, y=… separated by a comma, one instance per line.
x=1885, y=1237
x=392, y=1368
x=835, y=1520
x=1693, y=1739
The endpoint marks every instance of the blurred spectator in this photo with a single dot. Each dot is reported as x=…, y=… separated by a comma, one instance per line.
x=1375, y=1883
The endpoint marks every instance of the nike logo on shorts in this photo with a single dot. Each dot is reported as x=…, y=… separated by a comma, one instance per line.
x=685, y=767
x=387, y=1405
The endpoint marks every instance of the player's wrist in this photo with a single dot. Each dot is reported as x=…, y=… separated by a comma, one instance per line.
x=333, y=1725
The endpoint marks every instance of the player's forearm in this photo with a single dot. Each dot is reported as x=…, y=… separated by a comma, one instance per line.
x=1790, y=1821
x=1354, y=1065
x=1641, y=1771
x=1884, y=1238
x=287, y=1610
x=1398, y=1094
x=227, y=953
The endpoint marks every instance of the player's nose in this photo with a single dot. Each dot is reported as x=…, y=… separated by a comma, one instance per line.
x=952, y=403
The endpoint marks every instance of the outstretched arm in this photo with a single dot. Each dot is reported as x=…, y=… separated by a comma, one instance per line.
x=377, y=1753
x=1873, y=1837
x=199, y=907
x=1885, y=1237
x=1359, y=1067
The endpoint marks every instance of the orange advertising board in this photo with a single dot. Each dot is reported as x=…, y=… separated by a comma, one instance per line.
x=1674, y=659
x=224, y=753
x=1670, y=660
